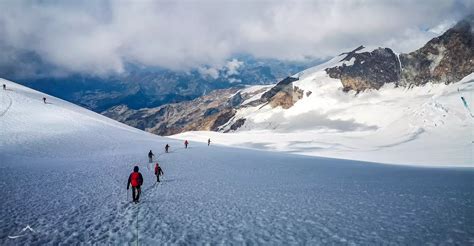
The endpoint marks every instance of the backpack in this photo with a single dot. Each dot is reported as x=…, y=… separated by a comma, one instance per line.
x=136, y=179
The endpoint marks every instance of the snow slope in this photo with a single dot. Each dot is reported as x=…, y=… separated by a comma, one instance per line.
x=64, y=172
x=428, y=124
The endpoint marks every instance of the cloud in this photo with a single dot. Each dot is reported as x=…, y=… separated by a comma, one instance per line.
x=211, y=72
x=227, y=70
x=233, y=66
x=234, y=80
x=100, y=37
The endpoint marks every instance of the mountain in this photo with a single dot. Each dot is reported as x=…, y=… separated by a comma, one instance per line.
x=340, y=108
x=141, y=87
x=444, y=59
x=206, y=113
x=65, y=170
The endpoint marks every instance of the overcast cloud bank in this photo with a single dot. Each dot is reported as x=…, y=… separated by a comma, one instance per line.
x=100, y=37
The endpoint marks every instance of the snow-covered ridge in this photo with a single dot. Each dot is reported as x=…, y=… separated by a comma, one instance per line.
x=32, y=127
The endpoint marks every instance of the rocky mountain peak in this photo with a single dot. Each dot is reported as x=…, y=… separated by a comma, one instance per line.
x=444, y=59
x=365, y=70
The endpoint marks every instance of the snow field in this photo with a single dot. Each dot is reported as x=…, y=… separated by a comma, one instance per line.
x=64, y=171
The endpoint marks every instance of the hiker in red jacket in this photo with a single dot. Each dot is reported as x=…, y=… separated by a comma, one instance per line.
x=158, y=172
x=186, y=144
x=136, y=179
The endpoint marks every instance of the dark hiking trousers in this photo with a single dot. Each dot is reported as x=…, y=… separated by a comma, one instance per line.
x=136, y=190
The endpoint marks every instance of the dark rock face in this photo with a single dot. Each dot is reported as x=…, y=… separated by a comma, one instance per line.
x=222, y=119
x=237, y=124
x=284, y=85
x=444, y=59
x=369, y=69
x=286, y=98
x=283, y=94
x=236, y=100
x=211, y=111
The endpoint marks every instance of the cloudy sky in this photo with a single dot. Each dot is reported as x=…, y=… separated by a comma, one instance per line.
x=99, y=37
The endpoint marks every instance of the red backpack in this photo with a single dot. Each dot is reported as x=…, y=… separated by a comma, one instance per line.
x=135, y=180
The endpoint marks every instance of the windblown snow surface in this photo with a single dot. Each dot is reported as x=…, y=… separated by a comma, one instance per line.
x=425, y=125
x=64, y=171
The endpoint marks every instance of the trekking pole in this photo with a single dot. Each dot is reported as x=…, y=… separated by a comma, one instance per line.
x=126, y=199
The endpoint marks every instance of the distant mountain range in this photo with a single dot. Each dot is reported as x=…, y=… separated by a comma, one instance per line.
x=445, y=59
x=144, y=87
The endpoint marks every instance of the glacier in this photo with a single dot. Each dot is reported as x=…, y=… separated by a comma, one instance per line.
x=64, y=171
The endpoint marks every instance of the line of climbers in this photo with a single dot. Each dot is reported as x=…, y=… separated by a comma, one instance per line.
x=136, y=178
x=4, y=86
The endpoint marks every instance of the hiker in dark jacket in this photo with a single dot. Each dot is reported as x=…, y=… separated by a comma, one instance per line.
x=150, y=156
x=158, y=172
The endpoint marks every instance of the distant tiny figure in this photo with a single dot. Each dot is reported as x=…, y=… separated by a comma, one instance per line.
x=136, y=180
x=4, y=86
x=150, y=156
x=208, y=142
x=158, y=172
x=167, y=148
x=44, y=100
x=186, y=144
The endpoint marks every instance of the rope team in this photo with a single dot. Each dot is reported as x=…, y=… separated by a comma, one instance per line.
x=135, y=179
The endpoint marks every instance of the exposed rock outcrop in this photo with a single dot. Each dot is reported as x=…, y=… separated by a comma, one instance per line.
x=237, y=124
x=286, y=98
x=444, y=59
x=368, y=69
x=283, y=94
x=285, y=85
x=223, y=118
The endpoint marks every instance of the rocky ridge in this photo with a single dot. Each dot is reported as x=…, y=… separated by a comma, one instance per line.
x=444, y=59
x=204, y=113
